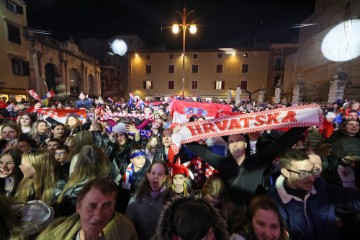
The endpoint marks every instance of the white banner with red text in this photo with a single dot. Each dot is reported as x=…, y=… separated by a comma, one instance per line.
x=299, y=116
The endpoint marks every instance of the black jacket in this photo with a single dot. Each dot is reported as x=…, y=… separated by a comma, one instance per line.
x=244, y=180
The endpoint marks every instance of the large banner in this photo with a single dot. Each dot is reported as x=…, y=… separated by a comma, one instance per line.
x=60, y=115
x=181, y=111
x=299, y=116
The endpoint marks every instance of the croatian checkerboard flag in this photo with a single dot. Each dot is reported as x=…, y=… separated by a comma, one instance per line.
x=181, y=111
x=33, y=94
x=49, y=94
x=61, y=115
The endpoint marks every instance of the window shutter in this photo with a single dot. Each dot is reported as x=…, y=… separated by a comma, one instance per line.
x=144, y=84
x=222, y=84
x=214, y=84
x=152, y=85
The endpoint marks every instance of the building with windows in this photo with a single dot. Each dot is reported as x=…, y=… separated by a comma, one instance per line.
x=309, y=76
x=207, y=73
x=14, y=59
x=30, y=59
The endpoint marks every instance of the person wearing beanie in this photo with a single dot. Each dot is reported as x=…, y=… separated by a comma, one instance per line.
x=179, y=176
x=119, y=147
x=131, y=179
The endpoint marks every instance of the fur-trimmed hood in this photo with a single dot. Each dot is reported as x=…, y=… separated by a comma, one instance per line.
x=166, y=227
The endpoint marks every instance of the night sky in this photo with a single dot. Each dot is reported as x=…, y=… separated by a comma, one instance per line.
x=222, y=23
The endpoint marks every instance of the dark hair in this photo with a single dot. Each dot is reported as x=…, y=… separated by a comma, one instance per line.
x=190, y=219
x=193, y=118
x=55, y=140
x=292, y=155
x=105, y=185
x=55, y=124
x=63, y=147
x=267, y=203
x=16, y=155
x=29, y=140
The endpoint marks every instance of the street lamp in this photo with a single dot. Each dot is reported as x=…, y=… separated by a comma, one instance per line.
x=184, y=26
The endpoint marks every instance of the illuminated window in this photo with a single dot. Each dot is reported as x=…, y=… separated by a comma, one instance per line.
x=219, y=85
x=147, y=85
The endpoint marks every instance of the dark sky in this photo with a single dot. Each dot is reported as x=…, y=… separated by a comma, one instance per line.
x=221, y=23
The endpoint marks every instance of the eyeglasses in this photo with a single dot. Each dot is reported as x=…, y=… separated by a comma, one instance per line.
x=60, y=153
x=304, y=174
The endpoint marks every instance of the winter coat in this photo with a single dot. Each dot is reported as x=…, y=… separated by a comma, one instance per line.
x=246, y=179
x=119, y=227
x=314, y=217
x=145, y=213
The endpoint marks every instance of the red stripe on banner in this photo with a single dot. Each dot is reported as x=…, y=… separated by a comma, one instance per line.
x=299, y=116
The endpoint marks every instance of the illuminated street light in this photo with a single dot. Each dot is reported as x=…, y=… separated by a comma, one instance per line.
x=184, y=26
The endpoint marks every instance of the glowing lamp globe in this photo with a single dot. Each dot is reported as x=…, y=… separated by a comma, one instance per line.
x=342, y=42
x=119, y=47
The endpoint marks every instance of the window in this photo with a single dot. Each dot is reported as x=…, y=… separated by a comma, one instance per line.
x=219, y=55
x=245, y=55
x=195, y=56
x=20, y=67
x=194, y=85
x=171, y=85
x=148, y=69
x=195, y=69
x=148, y=57
x=171, y=56
x=219, y=85
x=276, y=79
x=243, y=85
x=147, y=85
x=278, y=63
x=244, y=68
x=219, y=68
x=14, y=34
x=171, y=68
x=279, y=50
x=11, y=6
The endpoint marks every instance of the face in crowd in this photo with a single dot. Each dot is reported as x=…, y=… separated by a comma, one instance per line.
x=266, y=224
x=7, y=165
x=8, y=133
x=58, y=131
x=166, y=138
x=156, y=176
x=300, y=175
x=95, y=210
x=237, y=145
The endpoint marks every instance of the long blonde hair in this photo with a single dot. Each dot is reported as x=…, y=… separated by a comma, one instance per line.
x=92, y=163
x=42, y=184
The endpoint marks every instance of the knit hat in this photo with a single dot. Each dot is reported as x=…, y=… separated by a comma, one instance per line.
x=177, y=168
x=330, y=115
x=120, y=128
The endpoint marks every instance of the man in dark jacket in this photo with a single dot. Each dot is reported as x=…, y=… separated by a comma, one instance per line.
x=241, y=172
x=306, y=202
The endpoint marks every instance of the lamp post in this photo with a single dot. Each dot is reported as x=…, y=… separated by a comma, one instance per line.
x=184, y=26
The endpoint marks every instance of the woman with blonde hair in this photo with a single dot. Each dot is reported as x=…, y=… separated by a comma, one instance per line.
x=92, y=163
x=39, y=182
x=215, y=192
x=40, y=132
x=78, y=141
x=151, y=146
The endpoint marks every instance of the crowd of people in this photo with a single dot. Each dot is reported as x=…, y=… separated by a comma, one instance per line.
x=113, y=175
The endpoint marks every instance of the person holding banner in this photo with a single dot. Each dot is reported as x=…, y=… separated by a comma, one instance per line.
x=241, y=172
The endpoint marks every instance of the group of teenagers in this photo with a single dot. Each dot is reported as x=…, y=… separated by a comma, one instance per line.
x=79, y=180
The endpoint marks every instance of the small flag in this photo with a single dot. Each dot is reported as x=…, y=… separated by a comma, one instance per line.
x=140, y=104
x=110, y=99
x=49, y=94
x=33, y=94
